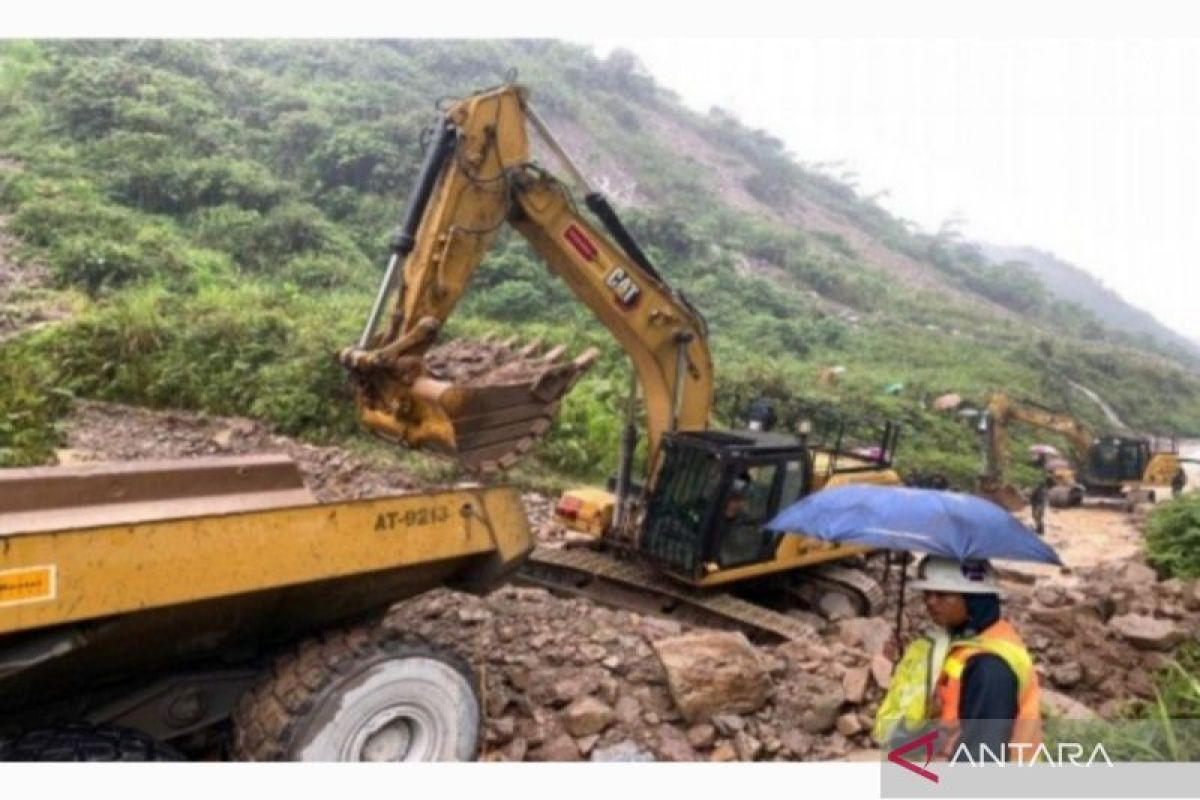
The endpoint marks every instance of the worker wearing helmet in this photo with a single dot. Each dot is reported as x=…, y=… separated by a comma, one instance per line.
x=987, y=691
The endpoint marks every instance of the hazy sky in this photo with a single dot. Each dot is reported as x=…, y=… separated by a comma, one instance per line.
x=1089, y=148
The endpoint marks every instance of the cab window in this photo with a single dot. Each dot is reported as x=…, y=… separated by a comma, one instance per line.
x=747, y=505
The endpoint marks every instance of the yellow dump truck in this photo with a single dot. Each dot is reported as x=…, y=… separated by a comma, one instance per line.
x=212, y=607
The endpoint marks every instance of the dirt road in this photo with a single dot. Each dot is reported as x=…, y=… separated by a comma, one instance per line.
x=1083, y=537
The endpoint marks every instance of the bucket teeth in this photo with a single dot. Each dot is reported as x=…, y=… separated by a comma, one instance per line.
x=505, y=396
x=553, y=354
x=530, y=350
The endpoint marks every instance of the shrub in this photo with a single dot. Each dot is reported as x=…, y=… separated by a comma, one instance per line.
x=30, y=405
x=99, y=265
x=71, y=211
x=1173, y=537
x=247, y=350
x=171, y=185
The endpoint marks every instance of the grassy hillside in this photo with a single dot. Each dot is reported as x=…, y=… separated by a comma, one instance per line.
x=217, y=215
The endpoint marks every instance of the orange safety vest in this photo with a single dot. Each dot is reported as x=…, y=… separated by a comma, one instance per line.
x=999, y=639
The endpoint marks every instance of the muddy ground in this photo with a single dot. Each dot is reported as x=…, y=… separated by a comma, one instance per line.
x=566, y=679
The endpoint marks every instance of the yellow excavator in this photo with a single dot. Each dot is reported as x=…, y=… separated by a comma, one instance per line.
x=697, y=522
x=1108, y=466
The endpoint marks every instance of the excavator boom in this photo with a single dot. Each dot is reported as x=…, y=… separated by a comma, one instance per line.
x=1002, y=411
x=487, y=407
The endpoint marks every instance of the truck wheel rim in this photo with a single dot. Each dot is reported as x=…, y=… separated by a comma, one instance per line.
x=400, y=733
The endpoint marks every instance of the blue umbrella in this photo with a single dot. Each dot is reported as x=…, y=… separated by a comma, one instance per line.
x=958, y=526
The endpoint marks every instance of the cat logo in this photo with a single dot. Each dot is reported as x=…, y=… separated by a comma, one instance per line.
x=623, y=287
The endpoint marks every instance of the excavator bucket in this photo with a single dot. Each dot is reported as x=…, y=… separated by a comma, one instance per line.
x=485, y=403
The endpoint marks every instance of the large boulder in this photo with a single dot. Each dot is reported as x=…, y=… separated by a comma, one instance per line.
x=562, y=686
x=560, y=748
x=868, y=634
x=622, y=751
x=810, y=701
x=673, y=745
x=713, y=672
x=854, y=684
x=1056, y=704
x=702, y=736
x=881, y=670
x=587, y=716
x=1147, y=633
x=1135, y=573
x=1067, y=674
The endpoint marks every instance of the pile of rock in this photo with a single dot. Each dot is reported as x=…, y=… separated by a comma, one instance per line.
x=112, y=432
x=566, y=679
x=1102, y=640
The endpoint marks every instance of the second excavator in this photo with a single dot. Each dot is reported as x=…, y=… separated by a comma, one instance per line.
x=695, y=519
x=1116, y=466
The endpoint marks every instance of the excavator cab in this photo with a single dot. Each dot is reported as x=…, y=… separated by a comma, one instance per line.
x=714, y=495
x=1115, y=461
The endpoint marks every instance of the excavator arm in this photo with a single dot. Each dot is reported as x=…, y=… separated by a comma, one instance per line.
x=478, y=175
x=1003, y=410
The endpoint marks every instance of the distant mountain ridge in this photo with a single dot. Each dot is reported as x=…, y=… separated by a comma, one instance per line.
x=1074, y=284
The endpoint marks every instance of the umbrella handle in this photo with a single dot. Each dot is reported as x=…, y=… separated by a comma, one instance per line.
x=900, y=604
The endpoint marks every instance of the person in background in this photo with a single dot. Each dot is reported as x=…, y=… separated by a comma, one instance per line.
x=1037, y=503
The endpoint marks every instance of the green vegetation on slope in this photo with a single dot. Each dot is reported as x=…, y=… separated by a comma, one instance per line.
x=225, y=207
x=1173, y=537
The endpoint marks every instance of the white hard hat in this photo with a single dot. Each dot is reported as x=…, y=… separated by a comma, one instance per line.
x=938, y=574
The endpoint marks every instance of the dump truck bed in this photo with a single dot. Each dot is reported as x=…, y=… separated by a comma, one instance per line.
x=161, y=563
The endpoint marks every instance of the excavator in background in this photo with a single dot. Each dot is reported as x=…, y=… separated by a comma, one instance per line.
x=696, y=520
x=1108, y=466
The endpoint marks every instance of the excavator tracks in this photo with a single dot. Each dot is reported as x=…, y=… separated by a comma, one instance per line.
x=866, y=592
x=611, y=581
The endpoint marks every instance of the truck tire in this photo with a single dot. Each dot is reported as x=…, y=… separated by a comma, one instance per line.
x=362, y=694
x=85, y=742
